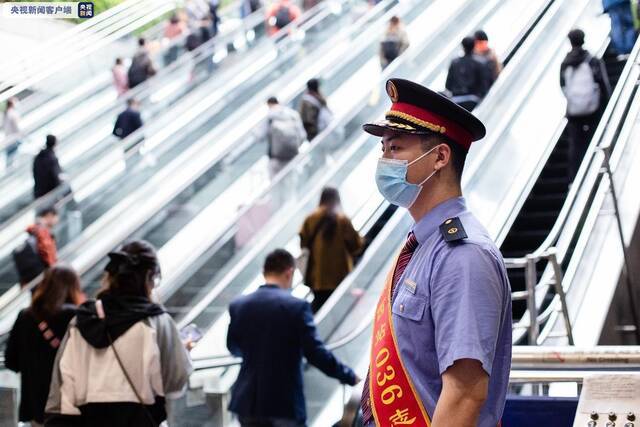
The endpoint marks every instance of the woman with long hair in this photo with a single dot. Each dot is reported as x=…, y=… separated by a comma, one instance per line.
x=36, y=336
x=332, y=242
x=122, y=355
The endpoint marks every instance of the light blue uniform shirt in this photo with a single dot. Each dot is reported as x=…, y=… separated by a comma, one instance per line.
x=453, y=302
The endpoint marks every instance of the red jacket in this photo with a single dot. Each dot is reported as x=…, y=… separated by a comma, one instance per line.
x=46, y=244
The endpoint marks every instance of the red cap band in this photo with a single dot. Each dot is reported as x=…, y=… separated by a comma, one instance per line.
x=431, y=121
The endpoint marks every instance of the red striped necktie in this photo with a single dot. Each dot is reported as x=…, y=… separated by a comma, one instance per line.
x=403, y=260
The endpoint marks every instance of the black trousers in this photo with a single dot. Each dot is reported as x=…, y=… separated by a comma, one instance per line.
x=269, y=422
x=579, y=131
x=319, y=298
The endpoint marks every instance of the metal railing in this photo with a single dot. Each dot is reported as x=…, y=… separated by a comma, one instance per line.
x=575, y=208
x=538, y=368
x=529, y=264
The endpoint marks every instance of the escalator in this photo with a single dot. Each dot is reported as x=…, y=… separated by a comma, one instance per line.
x=78, y=50
x=241, y=262
x=84, y=128
x=345, y=302
x=346, y=309
x=116, y=177
x=544, y=203
x=352, y=176
x=349, y=313
x=223, y=188
x=587, y=236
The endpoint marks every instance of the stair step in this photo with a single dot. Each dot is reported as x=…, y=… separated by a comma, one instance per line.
x=556, y=170
x=537, y=220
x=537, y=203
x=559, y=156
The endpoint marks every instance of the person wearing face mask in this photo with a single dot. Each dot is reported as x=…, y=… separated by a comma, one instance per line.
x=441, y=351
x=272, y=330
x=122, y=357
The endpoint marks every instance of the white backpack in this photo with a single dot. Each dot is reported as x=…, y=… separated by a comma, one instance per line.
x=581, y=90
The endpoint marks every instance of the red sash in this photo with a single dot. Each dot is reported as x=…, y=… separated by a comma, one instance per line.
x=394, y=401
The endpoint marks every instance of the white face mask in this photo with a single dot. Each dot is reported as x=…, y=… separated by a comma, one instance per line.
x=391, y=179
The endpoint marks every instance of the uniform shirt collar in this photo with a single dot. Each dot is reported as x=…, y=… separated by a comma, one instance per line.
x=429, y=223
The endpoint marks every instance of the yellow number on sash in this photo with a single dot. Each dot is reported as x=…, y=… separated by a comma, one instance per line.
x=390, y=394
x=382, y=378
x=382, y=357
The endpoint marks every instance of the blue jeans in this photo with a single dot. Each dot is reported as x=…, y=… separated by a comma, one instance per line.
x=623, y=34
x=12, y=150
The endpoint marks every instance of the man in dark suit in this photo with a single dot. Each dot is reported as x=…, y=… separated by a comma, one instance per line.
x=272, y=330
x=128, y=121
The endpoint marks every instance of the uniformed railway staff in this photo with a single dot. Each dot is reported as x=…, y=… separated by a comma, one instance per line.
x=441, y=346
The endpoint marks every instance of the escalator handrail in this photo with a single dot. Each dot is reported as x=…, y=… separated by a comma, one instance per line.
x=301, y=159
x=227, y=360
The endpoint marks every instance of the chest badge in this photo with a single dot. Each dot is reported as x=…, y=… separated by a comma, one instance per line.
x=410, y=285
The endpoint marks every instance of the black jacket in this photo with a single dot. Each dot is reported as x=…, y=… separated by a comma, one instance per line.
x=28, y=353
x=576, y=57
x=127, y=122
x=272, y=330
x=469, y=77
x=46, y=172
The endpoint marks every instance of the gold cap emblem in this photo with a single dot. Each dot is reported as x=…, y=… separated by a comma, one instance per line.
x=452, y=230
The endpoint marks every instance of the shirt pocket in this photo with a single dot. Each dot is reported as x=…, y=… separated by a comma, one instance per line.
x=409, y=306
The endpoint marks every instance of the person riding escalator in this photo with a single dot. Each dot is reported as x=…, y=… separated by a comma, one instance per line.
x=332, y=242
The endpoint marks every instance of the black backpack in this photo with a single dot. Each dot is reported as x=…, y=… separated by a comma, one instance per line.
x=27, y=260
x=390, y=50
x=138, y=71
x=283, y=17
x=192, y=43
x=255, y=5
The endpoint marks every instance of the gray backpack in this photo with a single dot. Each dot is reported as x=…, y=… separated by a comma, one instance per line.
x=284, y=138
x=581, y=89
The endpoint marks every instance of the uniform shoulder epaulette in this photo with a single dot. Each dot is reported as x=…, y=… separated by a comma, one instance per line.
x=452, y=230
